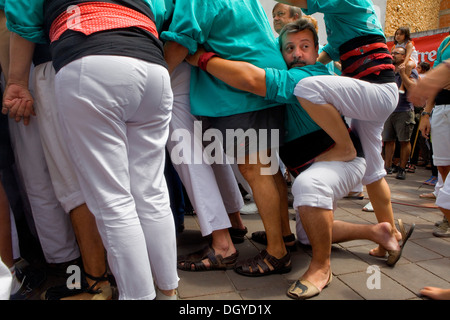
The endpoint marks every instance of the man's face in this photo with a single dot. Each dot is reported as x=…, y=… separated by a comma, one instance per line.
x=298, y=49
x=399, y=56
x=281, y=16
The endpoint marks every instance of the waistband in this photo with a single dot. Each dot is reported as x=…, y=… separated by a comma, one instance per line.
x=92, y=17
x=367, y=55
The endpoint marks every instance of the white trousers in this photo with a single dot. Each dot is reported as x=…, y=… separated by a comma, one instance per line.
x=212, y=188
x=53, y=225
x=115, y=113
x=367, y=104
x=440, y=134
x=60, y=166
x=323, y=184
x=5, y=281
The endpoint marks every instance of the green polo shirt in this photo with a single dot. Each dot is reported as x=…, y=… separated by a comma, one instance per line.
x=280, y=88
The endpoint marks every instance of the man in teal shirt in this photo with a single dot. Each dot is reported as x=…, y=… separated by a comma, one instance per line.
x=366, y=93
x=319, y=184
x=238, y=30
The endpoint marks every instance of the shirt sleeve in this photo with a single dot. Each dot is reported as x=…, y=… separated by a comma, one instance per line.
x=191, y=23
x=441, y=52
x=26, y=18
x=280, y=86
x=332, y=52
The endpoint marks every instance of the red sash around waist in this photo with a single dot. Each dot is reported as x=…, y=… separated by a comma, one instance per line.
x=91, y=17
x=374, y=62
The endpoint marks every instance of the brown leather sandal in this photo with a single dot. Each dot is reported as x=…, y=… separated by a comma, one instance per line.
x=264, y=264
x=194, y=261
x=261, y=237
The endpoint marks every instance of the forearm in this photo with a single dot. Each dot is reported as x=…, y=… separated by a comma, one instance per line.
x=21, y=57
x=407, y=81
x=238, y=74
x=428, y=87
x=174, y=54
x=439, y=77
x=324, y=58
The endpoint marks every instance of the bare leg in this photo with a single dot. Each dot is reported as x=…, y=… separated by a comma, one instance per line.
x=236, y=220
x=5, y=230
x=380, y=233
x=90, y=243
x=405, y=151
x=330, y=120
x=318, y=224
x=380, y=196
x=266, y=193
x=389, y=149
x=284, y=205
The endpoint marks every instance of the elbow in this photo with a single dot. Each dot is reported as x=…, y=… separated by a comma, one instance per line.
x=253, y=85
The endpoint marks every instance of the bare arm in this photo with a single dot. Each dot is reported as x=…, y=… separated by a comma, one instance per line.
x=407, y=80
x=17, y=100
x=324, y=58
x=298, y=3
x=237, y=74
x=174, y=54
x=427, y=87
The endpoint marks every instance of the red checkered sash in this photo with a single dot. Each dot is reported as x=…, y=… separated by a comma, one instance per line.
x=91, y=17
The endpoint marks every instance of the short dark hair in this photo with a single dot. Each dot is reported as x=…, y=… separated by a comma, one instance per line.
x=425, y=66
x=297, y=26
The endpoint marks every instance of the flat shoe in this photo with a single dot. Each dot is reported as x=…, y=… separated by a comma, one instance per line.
x=368, y=207
x=355, y=195
x=395, y=255
x=303, y=289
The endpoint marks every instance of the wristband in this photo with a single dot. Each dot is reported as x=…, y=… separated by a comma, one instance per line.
x=426, y=113
x=204, y=59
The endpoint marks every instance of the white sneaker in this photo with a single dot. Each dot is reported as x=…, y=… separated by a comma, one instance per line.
x=368, y=207
x=249, y=208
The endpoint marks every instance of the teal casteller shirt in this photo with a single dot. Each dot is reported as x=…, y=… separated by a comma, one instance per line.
x=236, y=30
x=345, y=20
x=280, y=86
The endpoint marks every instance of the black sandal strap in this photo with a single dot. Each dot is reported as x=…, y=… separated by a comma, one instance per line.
x=103, y=277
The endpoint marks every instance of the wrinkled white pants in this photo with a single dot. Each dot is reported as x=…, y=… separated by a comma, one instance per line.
x=212, y=188
x=367, y=104
x=323, y=184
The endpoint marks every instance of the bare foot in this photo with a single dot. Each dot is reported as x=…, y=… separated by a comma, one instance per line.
x=381, y=251
x=436, y=293
x=319, y=278
x=385, y=238
x=338, y=153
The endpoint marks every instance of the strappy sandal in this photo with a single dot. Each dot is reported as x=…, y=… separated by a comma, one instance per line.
x=395, y=255
x=86, y=292
x=261, y=237
x=264, y=264
x=237, y=235
x=194, y=261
